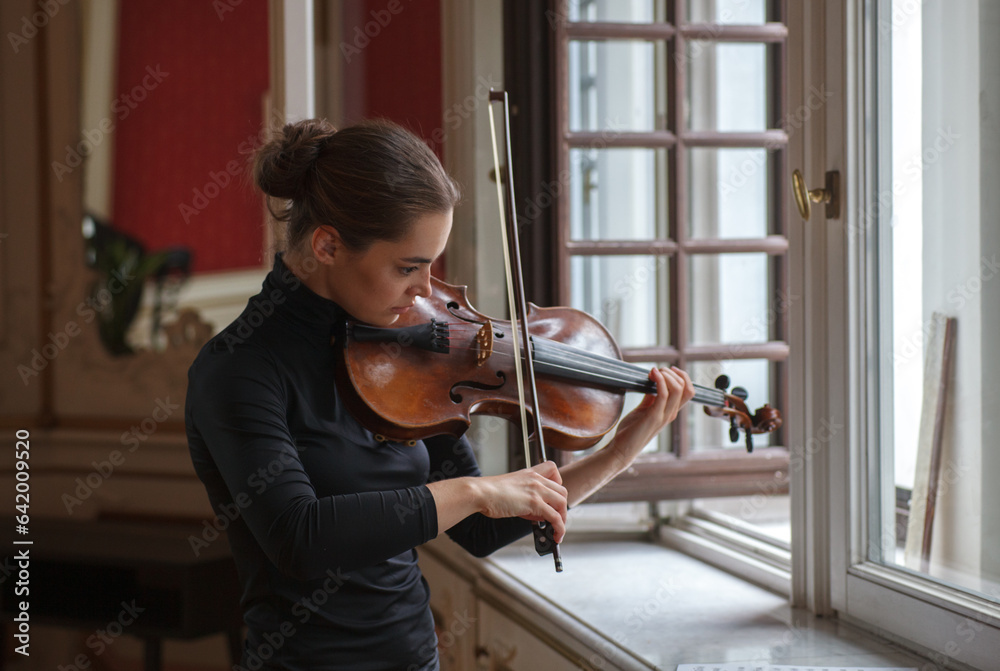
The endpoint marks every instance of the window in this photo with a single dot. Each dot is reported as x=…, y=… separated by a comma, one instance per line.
x=672, y=228
x=916, y=247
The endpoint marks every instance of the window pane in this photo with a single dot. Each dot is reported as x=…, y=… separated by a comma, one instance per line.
x=619, y=11
x=727, y=86
x=618, y=194
x=935, y=224
x=628, y=294
x=728, y=193
x=745, y=12
x=613, y=85
x=729, y=299
x=754, y=375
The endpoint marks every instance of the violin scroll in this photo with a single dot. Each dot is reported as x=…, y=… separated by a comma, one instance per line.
x=765, y=420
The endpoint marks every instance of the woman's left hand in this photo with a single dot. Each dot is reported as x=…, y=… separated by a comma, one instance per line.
x=639, y=427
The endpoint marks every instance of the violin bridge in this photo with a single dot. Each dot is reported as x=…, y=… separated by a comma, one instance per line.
x=484, y=340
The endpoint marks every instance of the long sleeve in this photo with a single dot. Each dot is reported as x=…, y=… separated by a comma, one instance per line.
x=241, y=419
x=322, y=517
x=478, y=534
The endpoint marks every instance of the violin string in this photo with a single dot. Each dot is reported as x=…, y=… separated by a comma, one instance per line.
x=569, y=358
x=632, y=372
x=626, y=372
x=565, y=356
x=637, y=372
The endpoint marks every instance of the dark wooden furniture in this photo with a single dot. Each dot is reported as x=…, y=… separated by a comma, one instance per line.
x=87, y=574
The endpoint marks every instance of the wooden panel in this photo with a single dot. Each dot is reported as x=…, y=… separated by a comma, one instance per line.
x=507, y=646
x=455, y=614
x=21, y=204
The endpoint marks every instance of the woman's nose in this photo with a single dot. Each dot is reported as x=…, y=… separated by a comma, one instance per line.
x=422, y=287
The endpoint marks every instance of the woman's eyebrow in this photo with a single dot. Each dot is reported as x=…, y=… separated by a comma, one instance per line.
x=416, y=259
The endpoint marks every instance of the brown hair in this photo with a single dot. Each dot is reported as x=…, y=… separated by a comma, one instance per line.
x=370, y=181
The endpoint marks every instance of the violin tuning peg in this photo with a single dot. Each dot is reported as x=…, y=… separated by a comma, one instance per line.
x=722, y=382
x=740, y=393
x=734, y=433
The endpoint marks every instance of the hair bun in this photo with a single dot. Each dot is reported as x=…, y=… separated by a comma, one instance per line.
x=281, y=165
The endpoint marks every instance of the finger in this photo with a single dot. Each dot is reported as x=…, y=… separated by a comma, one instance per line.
x=650, y=399
x=675, y=382
x=551, y=507
x=548, y=485
x=688, y=385
x=548, y=469
x=558, y=523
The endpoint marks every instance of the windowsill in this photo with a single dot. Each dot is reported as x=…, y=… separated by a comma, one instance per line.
x=643, y=606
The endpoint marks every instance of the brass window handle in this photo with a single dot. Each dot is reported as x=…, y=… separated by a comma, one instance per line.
x=830, y=194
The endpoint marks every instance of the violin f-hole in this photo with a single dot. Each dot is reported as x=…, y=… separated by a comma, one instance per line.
x=472, y=384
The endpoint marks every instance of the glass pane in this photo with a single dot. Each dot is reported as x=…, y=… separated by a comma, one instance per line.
x=935, y=226
x=754, y=375
x=728, y=193
x=628, y=294
x=614, y=86
x=729, y=299
x=617, y=11
x=727, y=86
x=744, y=12
x=618, y=194
x=768, y=511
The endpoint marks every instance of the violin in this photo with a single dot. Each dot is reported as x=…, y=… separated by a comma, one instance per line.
x=443, y=361
x=461, y=362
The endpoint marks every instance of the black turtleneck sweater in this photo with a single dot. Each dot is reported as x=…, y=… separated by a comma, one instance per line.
x=322, y=518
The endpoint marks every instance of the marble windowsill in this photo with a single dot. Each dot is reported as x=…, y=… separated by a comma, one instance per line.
x=660, y=608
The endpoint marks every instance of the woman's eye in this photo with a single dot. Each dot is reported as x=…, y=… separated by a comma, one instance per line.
x=409, y=270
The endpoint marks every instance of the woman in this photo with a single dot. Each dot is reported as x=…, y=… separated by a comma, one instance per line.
x=328, y=516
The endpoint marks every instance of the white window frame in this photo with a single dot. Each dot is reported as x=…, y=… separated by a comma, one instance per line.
x=831, y=48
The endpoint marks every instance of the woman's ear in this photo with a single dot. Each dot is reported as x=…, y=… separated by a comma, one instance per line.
x=327, y=244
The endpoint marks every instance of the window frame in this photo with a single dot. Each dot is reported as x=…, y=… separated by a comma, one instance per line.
x=836, y=44
x=682, y=474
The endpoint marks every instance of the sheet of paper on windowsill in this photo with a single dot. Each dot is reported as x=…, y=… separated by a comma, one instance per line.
x=740, y=666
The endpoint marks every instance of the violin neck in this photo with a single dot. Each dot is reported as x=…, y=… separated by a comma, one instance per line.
x=560, y=360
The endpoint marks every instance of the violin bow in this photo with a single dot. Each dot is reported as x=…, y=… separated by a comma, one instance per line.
x=541, y=531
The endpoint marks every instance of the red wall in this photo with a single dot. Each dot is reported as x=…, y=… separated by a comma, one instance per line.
x=403, y=64
x=198, y=117
x=173, y=148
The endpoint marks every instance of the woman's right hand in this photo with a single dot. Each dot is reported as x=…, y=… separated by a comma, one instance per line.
x=534, y=494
